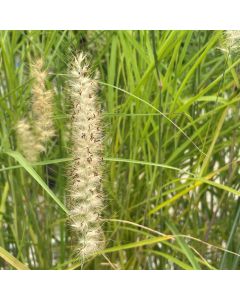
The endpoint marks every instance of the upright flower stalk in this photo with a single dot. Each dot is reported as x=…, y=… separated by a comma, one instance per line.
x=33, y=135
x=86, y=198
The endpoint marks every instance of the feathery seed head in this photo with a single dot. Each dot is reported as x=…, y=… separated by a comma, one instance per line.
x=31, y=139
x=93, y=241
x=42, y=104
x=85, y=199
x=27, y=141
x=231, y=41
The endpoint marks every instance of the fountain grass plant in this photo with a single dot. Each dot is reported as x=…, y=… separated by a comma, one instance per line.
x=170, y=104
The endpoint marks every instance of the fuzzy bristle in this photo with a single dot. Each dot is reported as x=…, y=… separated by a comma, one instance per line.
x=26, y=141
x=85, y=199
x=231, y=41
x=32, y=138
x=42, y=104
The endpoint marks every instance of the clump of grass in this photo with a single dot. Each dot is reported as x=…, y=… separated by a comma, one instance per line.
x=86, y=197
x=152, y=209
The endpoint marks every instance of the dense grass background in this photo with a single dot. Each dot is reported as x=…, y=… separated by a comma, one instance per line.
x=170, y=104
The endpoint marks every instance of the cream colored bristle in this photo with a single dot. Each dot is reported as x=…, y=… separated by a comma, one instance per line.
x=32, y=139
x=42, y=104
x=85, y=199
x=27, y=142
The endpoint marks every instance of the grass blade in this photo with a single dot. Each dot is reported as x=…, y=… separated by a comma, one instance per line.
x=25, y=164
x=13, y=261
x=187, y=251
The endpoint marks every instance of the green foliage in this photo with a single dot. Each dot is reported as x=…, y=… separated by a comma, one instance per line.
x=170, y=104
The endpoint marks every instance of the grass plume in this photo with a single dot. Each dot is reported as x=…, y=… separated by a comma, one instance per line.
x=42, y=104
x=27, y=142
x=85, y=174
x=32, y=139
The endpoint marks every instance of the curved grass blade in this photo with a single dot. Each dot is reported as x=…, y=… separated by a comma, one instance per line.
x=151, y=241
x=25, y=164
x=13, y=261
x=133, y=161
x=198, y=181
x=174, y=260
x=62, y=160
x=153, y=107
x=187, y=251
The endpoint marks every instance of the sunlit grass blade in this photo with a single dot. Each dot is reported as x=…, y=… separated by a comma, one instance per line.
x=4, y=254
